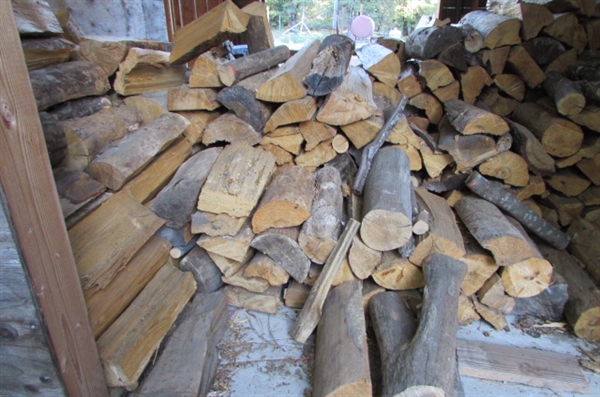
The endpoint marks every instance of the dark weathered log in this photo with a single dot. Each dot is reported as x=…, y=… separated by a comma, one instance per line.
x=240, y=68
x=583, y=233
x=330, y=65
x=203, y=268
x=71, y=80
x=56, y=140
x=40, y=53
x=81, y=107
x=543, y=50
x=35, y=18
x=567, y=95
x=371, y=149
x=497, y=195
x=309, y=317
x=426, y=43
x=469, y=119
x=454, y=56
x=547, y=305
x=530, y=148
x=387, y=220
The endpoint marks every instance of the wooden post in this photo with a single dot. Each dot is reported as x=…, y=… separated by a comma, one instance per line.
x=36, y=217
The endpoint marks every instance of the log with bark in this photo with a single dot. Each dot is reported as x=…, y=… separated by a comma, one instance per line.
x=469, y=119
x=496, y=30
x=582, y=232
x=330, y=65
x=240, y=68
x=258, y=34
x=35, y=18
x=291, y=112
x=380, y=62
x=534, y=17
x=426, y=43
x=566, y=94
x=206, y=273
x=262, y=266
x=43, y=52
x=530, y=148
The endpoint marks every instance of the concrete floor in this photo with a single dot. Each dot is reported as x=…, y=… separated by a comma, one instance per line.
x=259, y=358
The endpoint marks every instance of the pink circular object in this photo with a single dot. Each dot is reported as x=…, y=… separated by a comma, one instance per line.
x=362, y=26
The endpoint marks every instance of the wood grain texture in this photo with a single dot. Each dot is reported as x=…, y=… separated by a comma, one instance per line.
x=36, y=216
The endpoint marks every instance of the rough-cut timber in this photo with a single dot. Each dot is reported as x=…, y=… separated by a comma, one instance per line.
x=426, y=43
x=105, y=240
x=40, y=53
x=566, y=94
x=330, y=65
x=211, y=29
x=469, y=119
x=426, y=366
x=496, y=30
x=240, y=68
x=341, y=352
x=310, y=315
x=71, y=80
x=380, y=62
x=496, y=194
x=351, y=101
x=230, y=128
x=35, y=18
x=249, y=170
x=285, y=251
x=286, y=201
x=387, y=221
x=187, y=365
x=122, y=162
x=530, y=148
x=128, y=345
x=582, y=309
x=321, y=230
x=287, y=82
x=145, y=71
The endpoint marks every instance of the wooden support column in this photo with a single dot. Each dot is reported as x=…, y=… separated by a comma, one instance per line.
x=36, y=216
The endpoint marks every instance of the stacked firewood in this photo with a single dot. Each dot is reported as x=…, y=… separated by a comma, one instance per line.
x=404, y=165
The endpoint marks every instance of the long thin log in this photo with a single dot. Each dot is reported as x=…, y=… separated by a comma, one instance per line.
x=371, y=149
x=494, y=193
x=311, y=313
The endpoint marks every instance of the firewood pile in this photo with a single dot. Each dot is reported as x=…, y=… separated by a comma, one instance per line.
x=464, y=163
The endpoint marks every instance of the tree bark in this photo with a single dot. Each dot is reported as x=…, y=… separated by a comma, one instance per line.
x=330, y=65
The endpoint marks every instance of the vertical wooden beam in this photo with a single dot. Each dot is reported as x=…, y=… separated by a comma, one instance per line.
x=32, y=202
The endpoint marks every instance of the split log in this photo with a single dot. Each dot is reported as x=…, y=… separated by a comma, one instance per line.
x=582, y=309
x=493, y=295
x=238, y=194
x=490, y=99
x=287, y=82
x=258, y=34
x=230, y=128
x=351, y=101
x=266, y=302
x=496, y=30
x=340, y=144
x=103, y=51
x=548, y=305
x=591, y=168
x=480, y=266
x=530, y=148
x=252, y=284
x=241, y=98
x=589, y=118
x=320, y=155
x=216, y=224
x=236, y=248
x=592, y=29
x=55, y=138
x=568, y=182
x=493, y=231
x=534, y=16
x=380, y=62
x=105, y=240
x=126, y=352
x=497, y=195
x=466, y=311
x=385, y=97
x=435, y=74
x=145, y=71
x=472, y=82
x=330, y=65
x=582, y=233
x=262, y=266
x=387, y=221
x=362, y=132
x=432, y=107
x=566, y=28
x=295, y=294
x=150, y=105
x=435, y=337
x=494, y=317
x=185, y=98
x=176, y=201
x=205, y=73
x=288, y=138
x=525, y=67
x=408, y=82
x=469, y=119
x=203, y=268
x=105, y=305
x=511, y=85
x=397, y=273
x=454, y=56
x=40, y=53
x=434, y=162
x=35, y=18
x=426, y=43
x=228, y=267
x=188, y=363
x=472, y=38
x=285, y=251
x=544, y=50
x=341, y=351
x=120, y=163
x=81, y=107
x=566, y=94
x=562, y=62
x=444, y=236
x=238, y=69
x=211, y=29
x=76, y=187
x=315, y=132
x=71, y=80
x=362, y=259
x=567, y=208
x=310, y=315
x=320, y=232
x=286, y=201
x=560, y=137
x=295, y=111
x=146, y=184
x=495, y=60
x=507, y=166
x=91, y=135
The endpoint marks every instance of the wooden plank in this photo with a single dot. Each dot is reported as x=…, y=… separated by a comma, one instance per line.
x=558, y=371
x=36, y=216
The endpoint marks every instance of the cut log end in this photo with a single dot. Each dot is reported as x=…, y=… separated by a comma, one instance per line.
x=279, y=214
x=588, y=325
x=527, y=278
x=422, y=391
x=384, y=230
